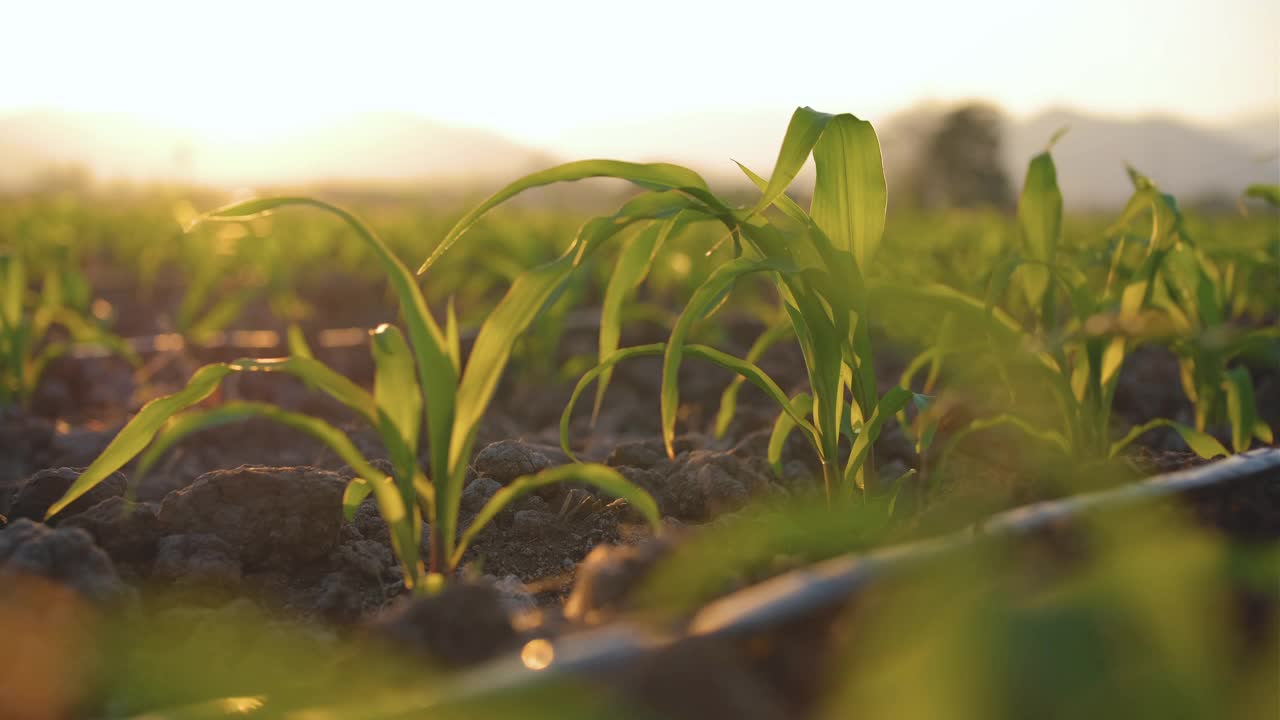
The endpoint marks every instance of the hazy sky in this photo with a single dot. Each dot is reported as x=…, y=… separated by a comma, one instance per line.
x=540, y=71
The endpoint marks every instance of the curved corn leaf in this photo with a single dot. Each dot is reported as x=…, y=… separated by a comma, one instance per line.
x=752, y=373
x=651, y=176
x=707, y=296
x=802, y=134
x=748, y=543
x=590, y=376
x=35, y=367
x=890, y=403
x=781, y=201
x=849, y=195
x=219, y=316
x=399, y=402
x=1242, y=411
x=452, y=336
x=601, y=477
x=632, y=267
x=512, y=315
x=178, y=427
x=518, y=308
x=1201, y=444
x=729, y=399
x=436, y=369
x=139, y=432
x=896, y=488
x=1262, y=432
x=1268, y=193
x=296, y=341
x=799, y=406
x=319, y=376
x=398, y=397
x=1050, y=437
x=357, y=490
x=390, y=505
x=85, y=332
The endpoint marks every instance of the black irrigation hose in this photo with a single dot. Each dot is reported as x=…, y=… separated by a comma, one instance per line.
x=830, y=585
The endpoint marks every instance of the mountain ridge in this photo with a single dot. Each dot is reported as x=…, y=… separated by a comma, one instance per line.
x=1188, y=159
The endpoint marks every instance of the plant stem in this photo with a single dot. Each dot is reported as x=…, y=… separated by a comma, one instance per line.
x=831, y=476
x=437, y=559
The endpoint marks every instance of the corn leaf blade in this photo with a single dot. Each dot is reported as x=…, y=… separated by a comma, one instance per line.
x=602, y=477
x=651, y=176
x=850, y=196
x=140, y=431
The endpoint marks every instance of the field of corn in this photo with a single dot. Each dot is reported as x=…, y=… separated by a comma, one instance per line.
x=697, y=456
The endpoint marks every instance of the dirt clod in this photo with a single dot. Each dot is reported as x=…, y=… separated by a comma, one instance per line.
x=507, y=460
x=707, y=483
x=34, y=497
x=273, y=517
x=608, y=575
x=126, y=531
x=464, y=624
x=66, y=555
x=200, y=560
x=478, y=492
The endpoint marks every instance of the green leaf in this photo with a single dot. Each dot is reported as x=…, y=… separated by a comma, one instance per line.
x=84, y=332
x=14, y=291
x=436, y=369
x=752, y=373
x=632, y=267
x=36, y=365
x=390, y=505
x=602, y=477
x=707, y=296
x=590, y=376
x=1268, y=193
x=890, y=403
x=1201, y=444
x=651, y=176
x=896, y=488
x=512, y=315
x=139, y=432
x=319, y=376
x=1242, y=410
x=799, y=406
x=781, y=201
x=1052, y=438
x=399, y=401
x=803, y=131
x=218, y=317
x=850, y=196
x=1040, y=217
x=452, y=336
x=1262, y=432
x=297, y=342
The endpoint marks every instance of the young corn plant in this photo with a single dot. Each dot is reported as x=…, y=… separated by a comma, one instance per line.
x=27, y=321
x=1199, y=299
x=1070, y=358
x=415, y=377
x=816, y=259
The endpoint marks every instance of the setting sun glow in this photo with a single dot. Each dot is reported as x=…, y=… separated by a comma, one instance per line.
x=552, y=74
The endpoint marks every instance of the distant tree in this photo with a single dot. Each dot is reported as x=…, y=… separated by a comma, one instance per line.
x=960, y=165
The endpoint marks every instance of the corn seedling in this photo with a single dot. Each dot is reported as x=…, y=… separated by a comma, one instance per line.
x=421, y=376
x=27, y=343
x=815, y=258
x=1069, y=361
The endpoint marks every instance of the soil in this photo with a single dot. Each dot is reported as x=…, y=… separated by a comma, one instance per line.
x=250, y=514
